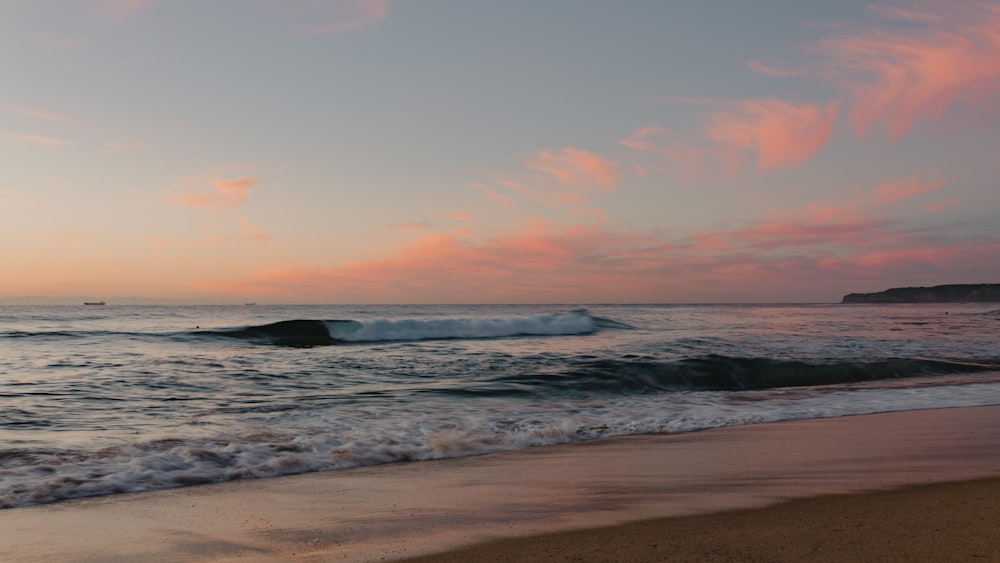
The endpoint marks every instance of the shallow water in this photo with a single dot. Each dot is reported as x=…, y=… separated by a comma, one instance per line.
x=101, y=400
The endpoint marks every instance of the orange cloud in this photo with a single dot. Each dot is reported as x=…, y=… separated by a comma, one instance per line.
x=13, y=199
x=781, y=134
x=577, y=167
x=947, y=54
x=533, y=266
x=363, y=13
x=225, y=194
x=65, y=237
x=251, y=232
x=409, y=228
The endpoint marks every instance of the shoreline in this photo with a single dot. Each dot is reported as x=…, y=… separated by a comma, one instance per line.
x=407, y=509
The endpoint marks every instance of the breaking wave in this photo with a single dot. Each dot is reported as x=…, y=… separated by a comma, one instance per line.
x=305, y=332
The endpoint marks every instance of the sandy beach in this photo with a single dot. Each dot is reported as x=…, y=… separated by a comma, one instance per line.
x=953, y=521
x=709, y=478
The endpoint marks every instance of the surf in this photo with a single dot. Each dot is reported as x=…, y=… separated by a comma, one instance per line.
x=309, y=332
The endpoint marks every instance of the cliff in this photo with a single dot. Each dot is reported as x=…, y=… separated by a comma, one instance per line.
x=954, y=293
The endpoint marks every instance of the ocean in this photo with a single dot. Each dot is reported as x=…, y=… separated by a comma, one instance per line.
x=102, y=400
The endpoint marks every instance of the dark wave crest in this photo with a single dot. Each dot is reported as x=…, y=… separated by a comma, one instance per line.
x=282, y=333
x=716, y=373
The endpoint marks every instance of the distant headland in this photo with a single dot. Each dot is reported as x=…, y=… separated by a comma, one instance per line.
x=953, y=293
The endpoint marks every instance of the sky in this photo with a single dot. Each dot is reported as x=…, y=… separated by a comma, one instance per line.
x=474, y=151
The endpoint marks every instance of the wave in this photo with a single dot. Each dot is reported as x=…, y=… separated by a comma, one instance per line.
x=67, y=334
x=601, y=322
x=306, y=332
x=716, y=373
x=40, y=334
x=332, y=442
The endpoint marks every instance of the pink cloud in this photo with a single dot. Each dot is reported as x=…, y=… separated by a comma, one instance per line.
x=224, y=194
x=947, y=55
x=542, y=195
x=853, y=210
x=361, y=14
x=640, y=139
x=126, y=146
x=548, y=262
x=689, y=161
x=120, y=9
x=924, y=263
x=856, y=231
x=39, y=139
x=891, y=259
x=493, y=195
x=898, y=190
x=571, y=198
x=848, y=223
x=577, y=167
x=461, y=216
x=772, y=68
x=41, y=114
x=685, y=160
x=940, y=206
x=782, y=134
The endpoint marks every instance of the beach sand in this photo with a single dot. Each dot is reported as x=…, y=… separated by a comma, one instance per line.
x=957, y=521
x=400, y=510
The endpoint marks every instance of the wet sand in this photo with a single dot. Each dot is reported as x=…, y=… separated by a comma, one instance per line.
x=955, y=521
x=395, y=511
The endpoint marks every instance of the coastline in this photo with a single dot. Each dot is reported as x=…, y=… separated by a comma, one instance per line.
x=408, y=509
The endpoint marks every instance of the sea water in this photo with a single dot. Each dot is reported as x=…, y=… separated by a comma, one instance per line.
x=99, y=400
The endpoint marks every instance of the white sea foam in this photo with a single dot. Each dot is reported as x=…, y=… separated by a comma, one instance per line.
x=574, y=322
x=325, y=441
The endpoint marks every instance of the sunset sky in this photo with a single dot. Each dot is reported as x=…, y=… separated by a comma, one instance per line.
x=517, y=151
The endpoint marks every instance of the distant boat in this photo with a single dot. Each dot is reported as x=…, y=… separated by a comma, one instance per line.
x=93, y=303
x=248, y=304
